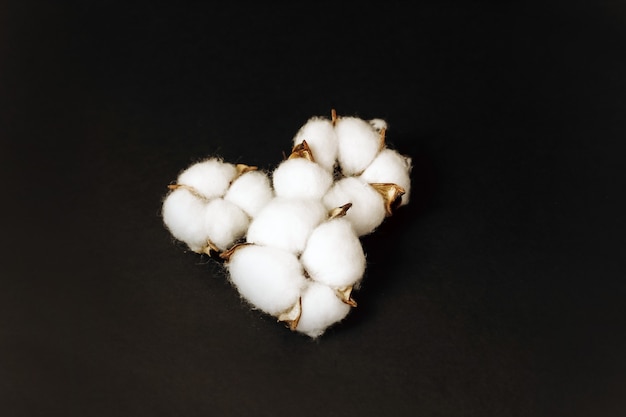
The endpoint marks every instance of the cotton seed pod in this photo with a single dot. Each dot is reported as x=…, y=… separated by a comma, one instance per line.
x=334, y=255
x=390, y=167
x=183, y=214
x=320, y=308
x=209, y=178
x=301, y=178
x=302, y=150
x=368, y=207
x=270, y=279
x=286, y=223
x=358, y=144
x=251, y=192
x=225, y=223
x=319, y=133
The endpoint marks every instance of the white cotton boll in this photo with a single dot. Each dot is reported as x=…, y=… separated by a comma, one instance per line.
x=268, y=278
x=321, y=307
x=319, y=134
x=301, y=178
x=250, y=192
x=210, y=178
x=368, y=207
x=183, y=215
x=390, y=167
x=334, y=255
x=224, y=223
x=286, y=223
x=358, y=144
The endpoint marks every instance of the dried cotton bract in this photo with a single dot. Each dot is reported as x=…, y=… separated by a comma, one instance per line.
x=290, y=240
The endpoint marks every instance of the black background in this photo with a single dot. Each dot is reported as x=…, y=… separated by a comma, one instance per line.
x=498, y=291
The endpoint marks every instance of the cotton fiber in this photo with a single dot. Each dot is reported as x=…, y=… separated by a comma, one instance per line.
x=183, y=214
x=250, y=192
x=334, y=255
x=286, y=223
x=301, y=179
x=358, y=143
x=368, y=207
x=268, y=278
x=225, y=223
x=379, y=125
x=321, y=308
x=209, y=178
x=319, y=133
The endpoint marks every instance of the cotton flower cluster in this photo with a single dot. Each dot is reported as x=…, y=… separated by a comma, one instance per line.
x=290, y=239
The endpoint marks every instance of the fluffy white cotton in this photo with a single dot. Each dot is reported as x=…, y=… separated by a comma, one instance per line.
x=378, y=124
x=390, y=167
x=334, y=255
x=368, y=207
x=210, y=178
x=268, y=278
x=301, y=178
x=183, y=215
x=321, y=307
x=358, y=143
x=299, y=262
x=286, y=223
x=250, y=192
x=224, y=223
x=319, y=134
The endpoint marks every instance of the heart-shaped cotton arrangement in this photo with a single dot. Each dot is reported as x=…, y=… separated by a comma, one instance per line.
x=290, y=239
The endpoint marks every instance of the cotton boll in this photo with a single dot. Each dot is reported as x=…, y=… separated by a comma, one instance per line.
x=368, y=208
x=334, y=255
x=286, y=223
x=183, y=215
x=390, y=167
x=321, y=308
x=268, y=278
x=301, y=178
x=224, y=223
x=358, y=144
x=209, y=178
x=250, y=192
x=320, y=135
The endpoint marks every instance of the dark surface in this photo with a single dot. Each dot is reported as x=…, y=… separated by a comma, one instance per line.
x=498, y=291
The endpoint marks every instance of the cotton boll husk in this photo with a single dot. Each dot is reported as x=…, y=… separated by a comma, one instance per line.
x=301, y=178
x=390, y=167
x=368, y=208
x=183, y=214
x=250, y=192
x=268, y=278
x=321, y=307
x=224, y=223
x=286, y=223
x=358, y=144
x=334, y=255
x=210, y=178
x=319, y=134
